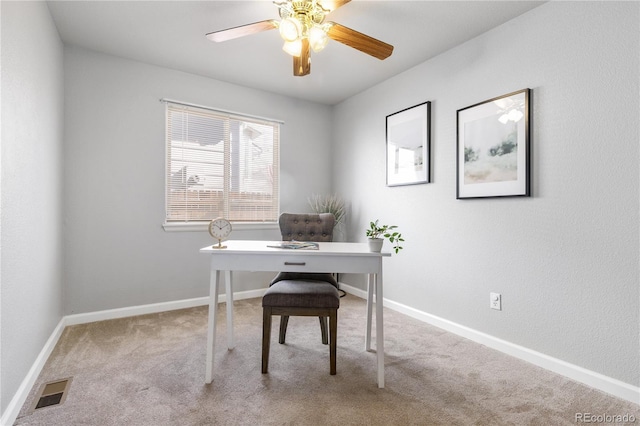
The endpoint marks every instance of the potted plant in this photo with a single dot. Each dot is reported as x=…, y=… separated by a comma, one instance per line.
x=378, y=233
x=329, y=204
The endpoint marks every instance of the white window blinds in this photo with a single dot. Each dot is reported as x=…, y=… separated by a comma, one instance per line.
x=220, y=164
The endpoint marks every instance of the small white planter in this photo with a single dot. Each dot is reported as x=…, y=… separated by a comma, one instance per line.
x=375, y=244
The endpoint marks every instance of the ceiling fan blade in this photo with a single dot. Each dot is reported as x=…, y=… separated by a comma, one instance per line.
x=242, y=30
x=357, y=40
x=302, y=63
x=331, y=5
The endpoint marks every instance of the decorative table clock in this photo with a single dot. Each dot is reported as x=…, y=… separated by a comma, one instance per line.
x=219, y=228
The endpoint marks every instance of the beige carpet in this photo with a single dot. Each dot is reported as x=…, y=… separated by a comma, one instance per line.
x=149, y=370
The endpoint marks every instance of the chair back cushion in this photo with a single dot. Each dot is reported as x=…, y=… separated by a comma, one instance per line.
x=307, y=227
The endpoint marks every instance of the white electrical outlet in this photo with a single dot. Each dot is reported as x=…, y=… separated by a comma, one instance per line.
x=495, y=301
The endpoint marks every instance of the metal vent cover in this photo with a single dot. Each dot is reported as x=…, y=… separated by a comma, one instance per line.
x=52, y=393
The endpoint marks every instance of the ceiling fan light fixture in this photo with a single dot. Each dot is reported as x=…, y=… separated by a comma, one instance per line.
x=293, y=48
x=290, y=29
x=318, y=38
x=302, y=26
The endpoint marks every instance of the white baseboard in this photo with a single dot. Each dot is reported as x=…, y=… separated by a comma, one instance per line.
x=154, y=308
x=354, y=291
x=579, y=374
x=590, y=378
x=15, y=405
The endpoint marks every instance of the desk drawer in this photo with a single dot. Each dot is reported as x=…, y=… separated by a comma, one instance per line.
x=297, y=263
x=324, y=264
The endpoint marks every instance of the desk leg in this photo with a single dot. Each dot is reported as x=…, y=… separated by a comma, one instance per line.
x=370, y=290
x=229, y=290
x=379, y=328
x=211, y=330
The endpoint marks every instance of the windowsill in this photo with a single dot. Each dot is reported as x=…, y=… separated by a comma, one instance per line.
x=204, y=226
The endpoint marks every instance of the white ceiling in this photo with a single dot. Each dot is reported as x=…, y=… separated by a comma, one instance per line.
x=171, y=34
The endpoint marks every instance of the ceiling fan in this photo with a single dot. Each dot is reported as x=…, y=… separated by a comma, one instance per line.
x=303, y=27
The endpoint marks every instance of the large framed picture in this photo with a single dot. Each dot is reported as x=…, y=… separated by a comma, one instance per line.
x=493, y=147
x=408, y=140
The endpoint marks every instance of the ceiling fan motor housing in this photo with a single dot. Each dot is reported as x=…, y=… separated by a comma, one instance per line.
x=308, y=13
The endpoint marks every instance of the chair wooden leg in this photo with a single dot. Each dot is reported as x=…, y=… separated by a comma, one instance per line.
x=333, y=331
x=266, y=338
x=284, y=320
x=323, y=330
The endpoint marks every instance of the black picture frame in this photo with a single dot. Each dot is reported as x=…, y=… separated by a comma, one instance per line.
x=408, y=146
x=493, y=147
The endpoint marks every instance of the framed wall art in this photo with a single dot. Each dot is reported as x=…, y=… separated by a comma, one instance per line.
x=493, y=147
x=408, y=141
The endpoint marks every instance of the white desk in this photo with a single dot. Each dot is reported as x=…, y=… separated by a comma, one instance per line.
x=330, y=257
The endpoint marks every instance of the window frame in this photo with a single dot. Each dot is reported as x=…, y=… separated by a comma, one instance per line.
x=228, y=116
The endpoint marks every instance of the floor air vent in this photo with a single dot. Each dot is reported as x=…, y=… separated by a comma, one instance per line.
x=52, y=393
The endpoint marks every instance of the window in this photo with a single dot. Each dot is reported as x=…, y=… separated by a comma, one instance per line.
x=220, y=164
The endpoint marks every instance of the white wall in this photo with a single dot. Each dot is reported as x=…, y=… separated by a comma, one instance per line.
x=31, y=188
x=566, y=259
x=117, y=253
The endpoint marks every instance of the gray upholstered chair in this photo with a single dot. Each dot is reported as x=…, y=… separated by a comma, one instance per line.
x=302, y=293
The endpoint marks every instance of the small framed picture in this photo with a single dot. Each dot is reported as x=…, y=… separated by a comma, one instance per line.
x=408, y=140
x=493, y=148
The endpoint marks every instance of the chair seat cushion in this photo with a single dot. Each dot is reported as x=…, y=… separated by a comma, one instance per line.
x=304, y=276
x=302, y=294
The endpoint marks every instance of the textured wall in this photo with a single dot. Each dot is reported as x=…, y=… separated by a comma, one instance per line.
x=117, y=253
x=566, y=259
x=31, y=272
